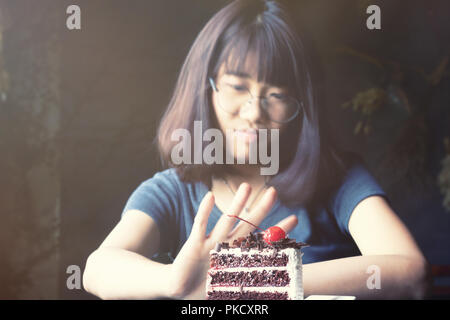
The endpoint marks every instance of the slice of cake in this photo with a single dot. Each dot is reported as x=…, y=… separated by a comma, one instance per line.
x=252, y=269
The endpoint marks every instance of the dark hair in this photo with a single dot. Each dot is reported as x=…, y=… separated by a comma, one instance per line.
x=308, y=163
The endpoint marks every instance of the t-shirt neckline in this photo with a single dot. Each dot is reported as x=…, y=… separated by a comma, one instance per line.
x=216, y=210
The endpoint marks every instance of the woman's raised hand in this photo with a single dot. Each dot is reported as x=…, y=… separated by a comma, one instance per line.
x=190, y=267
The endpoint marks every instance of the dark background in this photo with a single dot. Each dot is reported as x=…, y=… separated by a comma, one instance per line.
x=82, y=109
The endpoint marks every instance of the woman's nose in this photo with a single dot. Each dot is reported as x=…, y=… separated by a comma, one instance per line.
x=253, y=109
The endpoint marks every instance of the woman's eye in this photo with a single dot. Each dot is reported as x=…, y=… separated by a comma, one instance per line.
x=279, y=96
x=238, y=87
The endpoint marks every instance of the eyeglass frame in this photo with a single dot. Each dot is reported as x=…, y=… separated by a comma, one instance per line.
x=299, y=103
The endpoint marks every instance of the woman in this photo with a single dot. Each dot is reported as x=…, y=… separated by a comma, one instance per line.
x=249, y=70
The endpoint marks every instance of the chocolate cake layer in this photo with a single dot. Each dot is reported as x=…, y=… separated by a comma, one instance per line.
x=264, y=278
x=247, y=260
x=246, y=295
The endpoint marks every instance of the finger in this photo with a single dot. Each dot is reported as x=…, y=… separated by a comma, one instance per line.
x=201, y=218
x=257, y=215
x=226, y=223
x=288, y=223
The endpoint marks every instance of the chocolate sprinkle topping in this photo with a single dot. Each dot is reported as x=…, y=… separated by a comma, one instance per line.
x=255, y=240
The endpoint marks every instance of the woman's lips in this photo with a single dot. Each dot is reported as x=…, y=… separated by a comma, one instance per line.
x=247, y=135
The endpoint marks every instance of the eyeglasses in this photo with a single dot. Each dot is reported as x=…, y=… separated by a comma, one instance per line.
x=279, y=107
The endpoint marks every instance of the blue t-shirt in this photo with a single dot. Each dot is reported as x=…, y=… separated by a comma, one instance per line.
x=173, y=205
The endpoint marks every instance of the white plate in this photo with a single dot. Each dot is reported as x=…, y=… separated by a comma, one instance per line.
x=324, y=297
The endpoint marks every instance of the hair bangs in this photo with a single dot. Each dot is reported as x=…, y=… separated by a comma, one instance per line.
x=259, y=53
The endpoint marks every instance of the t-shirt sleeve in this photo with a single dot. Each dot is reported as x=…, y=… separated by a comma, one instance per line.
x=357, y=185
x=158, y=198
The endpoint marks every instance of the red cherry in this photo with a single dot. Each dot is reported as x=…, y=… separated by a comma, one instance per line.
x=274, y=233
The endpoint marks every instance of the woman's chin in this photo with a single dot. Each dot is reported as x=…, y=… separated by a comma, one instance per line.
x=245, y=151
x=245, y=155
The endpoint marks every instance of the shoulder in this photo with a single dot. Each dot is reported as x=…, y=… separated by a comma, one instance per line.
x=167, y=185
x=357, y=184
x=358, y=179
x=162, y=187
x=168, y=178
x=167, y=174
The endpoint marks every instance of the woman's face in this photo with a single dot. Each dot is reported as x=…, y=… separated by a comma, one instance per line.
x=243, y=116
